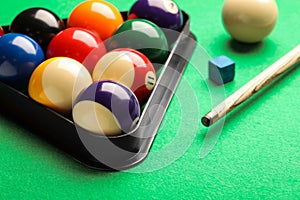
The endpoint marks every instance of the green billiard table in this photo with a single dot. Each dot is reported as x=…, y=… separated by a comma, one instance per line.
x=253, y=153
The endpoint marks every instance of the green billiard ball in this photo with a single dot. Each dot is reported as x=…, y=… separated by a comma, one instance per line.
x=141, y=35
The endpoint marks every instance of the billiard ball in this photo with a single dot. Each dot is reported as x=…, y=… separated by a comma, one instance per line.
x=56, y=82
x=100, y=17
x=164, y=13
x=1, y=31
x=19, y=56
x=106, y=108
x=249, y=21
x=77, y=43
x=38, y=23
x=141, y=35
x=129, y=67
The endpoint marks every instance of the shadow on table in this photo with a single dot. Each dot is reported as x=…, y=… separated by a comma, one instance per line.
x=240, y=47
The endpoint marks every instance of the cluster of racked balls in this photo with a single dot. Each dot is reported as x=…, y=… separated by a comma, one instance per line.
x=94, y=65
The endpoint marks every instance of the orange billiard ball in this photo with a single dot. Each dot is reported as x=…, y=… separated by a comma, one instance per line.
x=100, y=17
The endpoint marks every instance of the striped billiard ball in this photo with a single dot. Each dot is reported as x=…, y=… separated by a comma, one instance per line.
x=129, y=67
x=56, y=82
x=164, y=13
x=106, y=108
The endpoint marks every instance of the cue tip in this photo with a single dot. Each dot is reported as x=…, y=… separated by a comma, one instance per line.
x=206, y=121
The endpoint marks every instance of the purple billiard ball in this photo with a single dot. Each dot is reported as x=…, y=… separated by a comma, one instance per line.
x=106, y=108
x=19, y=56
x=164, y=13
x=39, y=23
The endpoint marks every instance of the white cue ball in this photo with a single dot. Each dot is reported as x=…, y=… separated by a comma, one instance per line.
x=249, y=21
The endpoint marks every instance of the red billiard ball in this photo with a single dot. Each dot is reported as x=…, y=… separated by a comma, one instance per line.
x=129, y=67
x=1, y=31
x=99, y=16
x=19, y=56
x=38, y=23
x=77, y=43
x=56, y=82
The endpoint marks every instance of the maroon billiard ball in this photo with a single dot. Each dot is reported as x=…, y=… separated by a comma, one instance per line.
x=129, y=67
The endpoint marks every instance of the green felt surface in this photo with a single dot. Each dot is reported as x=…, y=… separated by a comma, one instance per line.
x=254, y=155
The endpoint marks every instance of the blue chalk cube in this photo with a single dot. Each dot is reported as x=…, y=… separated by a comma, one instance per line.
x=221, y=70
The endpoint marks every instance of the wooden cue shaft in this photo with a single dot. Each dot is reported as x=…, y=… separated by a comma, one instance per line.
x=253, y=86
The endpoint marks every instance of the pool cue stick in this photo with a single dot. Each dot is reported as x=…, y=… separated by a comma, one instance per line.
x=253, y=86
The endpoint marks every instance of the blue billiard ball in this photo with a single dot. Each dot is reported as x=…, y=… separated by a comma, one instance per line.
x=106, y=108
x=19, y=56
x=164, y=13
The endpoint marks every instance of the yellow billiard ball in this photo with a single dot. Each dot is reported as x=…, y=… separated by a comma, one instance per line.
x=56, y=82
